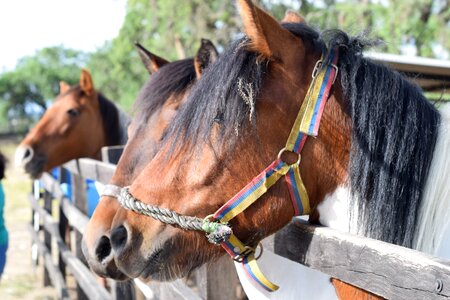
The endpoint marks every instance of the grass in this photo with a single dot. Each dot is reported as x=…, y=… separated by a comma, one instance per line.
x=17, y=186
x=20, y=280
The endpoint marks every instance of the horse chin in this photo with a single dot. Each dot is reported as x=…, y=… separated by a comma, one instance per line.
x=161, y=266
x=36, y=166
x=110, y=271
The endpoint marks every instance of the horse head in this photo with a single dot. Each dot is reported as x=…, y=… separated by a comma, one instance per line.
x=235, y=121
x=155, y=106
x=72, y=127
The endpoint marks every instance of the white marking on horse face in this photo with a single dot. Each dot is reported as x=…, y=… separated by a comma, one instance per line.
x=334, y=210
x=23, y=155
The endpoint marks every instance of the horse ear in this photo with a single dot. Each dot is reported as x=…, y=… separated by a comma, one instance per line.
x=63, y=87
x=86, y=83
x=292, y=17
x=151, y=61
x=267, y=37
x=206, y=55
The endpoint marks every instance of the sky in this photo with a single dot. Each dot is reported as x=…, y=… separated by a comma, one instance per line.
x=29, y=25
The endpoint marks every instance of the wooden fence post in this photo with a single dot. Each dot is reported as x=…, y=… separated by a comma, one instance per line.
x=47, y=235
x=218, y=280
x=79, y=200
x=63, y=224
x=35, y=223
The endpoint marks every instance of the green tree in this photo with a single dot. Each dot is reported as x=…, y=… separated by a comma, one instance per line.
x=422, y=24
x=35, y=80
x=169, y=28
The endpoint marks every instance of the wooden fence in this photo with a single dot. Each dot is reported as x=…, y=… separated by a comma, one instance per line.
x=384, y=269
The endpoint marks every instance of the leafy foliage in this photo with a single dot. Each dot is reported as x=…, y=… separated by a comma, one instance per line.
x=36, y=80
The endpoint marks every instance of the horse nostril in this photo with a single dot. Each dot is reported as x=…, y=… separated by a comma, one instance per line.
x=119, y=237
x=27, y=153
x=103, y=248
x=24, y=154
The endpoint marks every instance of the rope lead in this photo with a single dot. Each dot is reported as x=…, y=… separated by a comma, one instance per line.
x=216, y=232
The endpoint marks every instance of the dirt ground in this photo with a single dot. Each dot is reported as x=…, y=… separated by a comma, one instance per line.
x=20, y=279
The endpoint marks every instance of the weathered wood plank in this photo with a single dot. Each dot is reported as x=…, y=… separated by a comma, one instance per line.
x=83, y=275
x=51, y=185
x=35, y=223
x=64, y=228
x=47, y=236
x=91, y=169
x=387, y=270
x=111, y=154
x=56, y=277
x=76, y=217
x=80, y=202
x=216, y=285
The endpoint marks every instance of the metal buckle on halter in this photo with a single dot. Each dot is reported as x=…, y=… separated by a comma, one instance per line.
x=318, y=66
x=247, y=251
x=286, y=150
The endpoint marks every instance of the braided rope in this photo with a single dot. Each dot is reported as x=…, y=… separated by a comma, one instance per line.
x=161, y=214
x=215, y=231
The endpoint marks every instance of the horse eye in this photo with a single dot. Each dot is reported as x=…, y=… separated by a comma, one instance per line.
x=73, y=112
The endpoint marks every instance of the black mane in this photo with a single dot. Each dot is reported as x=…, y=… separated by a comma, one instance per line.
x=393, y=137
x=116, y=132
x=394, y=131
x=171, y=79
x=111, y=121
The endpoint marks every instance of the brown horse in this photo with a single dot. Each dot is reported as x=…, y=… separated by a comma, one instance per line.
x=78, y=124
x=156, y=104
x=366, y=172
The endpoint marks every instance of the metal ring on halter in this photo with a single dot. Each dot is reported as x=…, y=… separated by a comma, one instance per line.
x=260, y=252
x=247, y=251
x=241, y=256
x=211, y=219
x=285, y=150
x=208, y=218
x=318, y=66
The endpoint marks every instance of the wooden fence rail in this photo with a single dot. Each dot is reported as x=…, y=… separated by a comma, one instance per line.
x=384, y=269
x=388, y=270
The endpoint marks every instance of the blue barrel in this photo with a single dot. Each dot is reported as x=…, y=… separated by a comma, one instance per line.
x=92, y=195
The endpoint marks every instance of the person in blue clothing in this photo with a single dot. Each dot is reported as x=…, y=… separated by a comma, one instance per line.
x=3, y=231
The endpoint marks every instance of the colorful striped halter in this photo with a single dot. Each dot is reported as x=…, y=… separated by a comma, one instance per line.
x=216, y=225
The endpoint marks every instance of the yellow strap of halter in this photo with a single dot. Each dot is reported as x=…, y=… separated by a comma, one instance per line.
x=256, y=193
x=307, y=109
x=250, y=265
